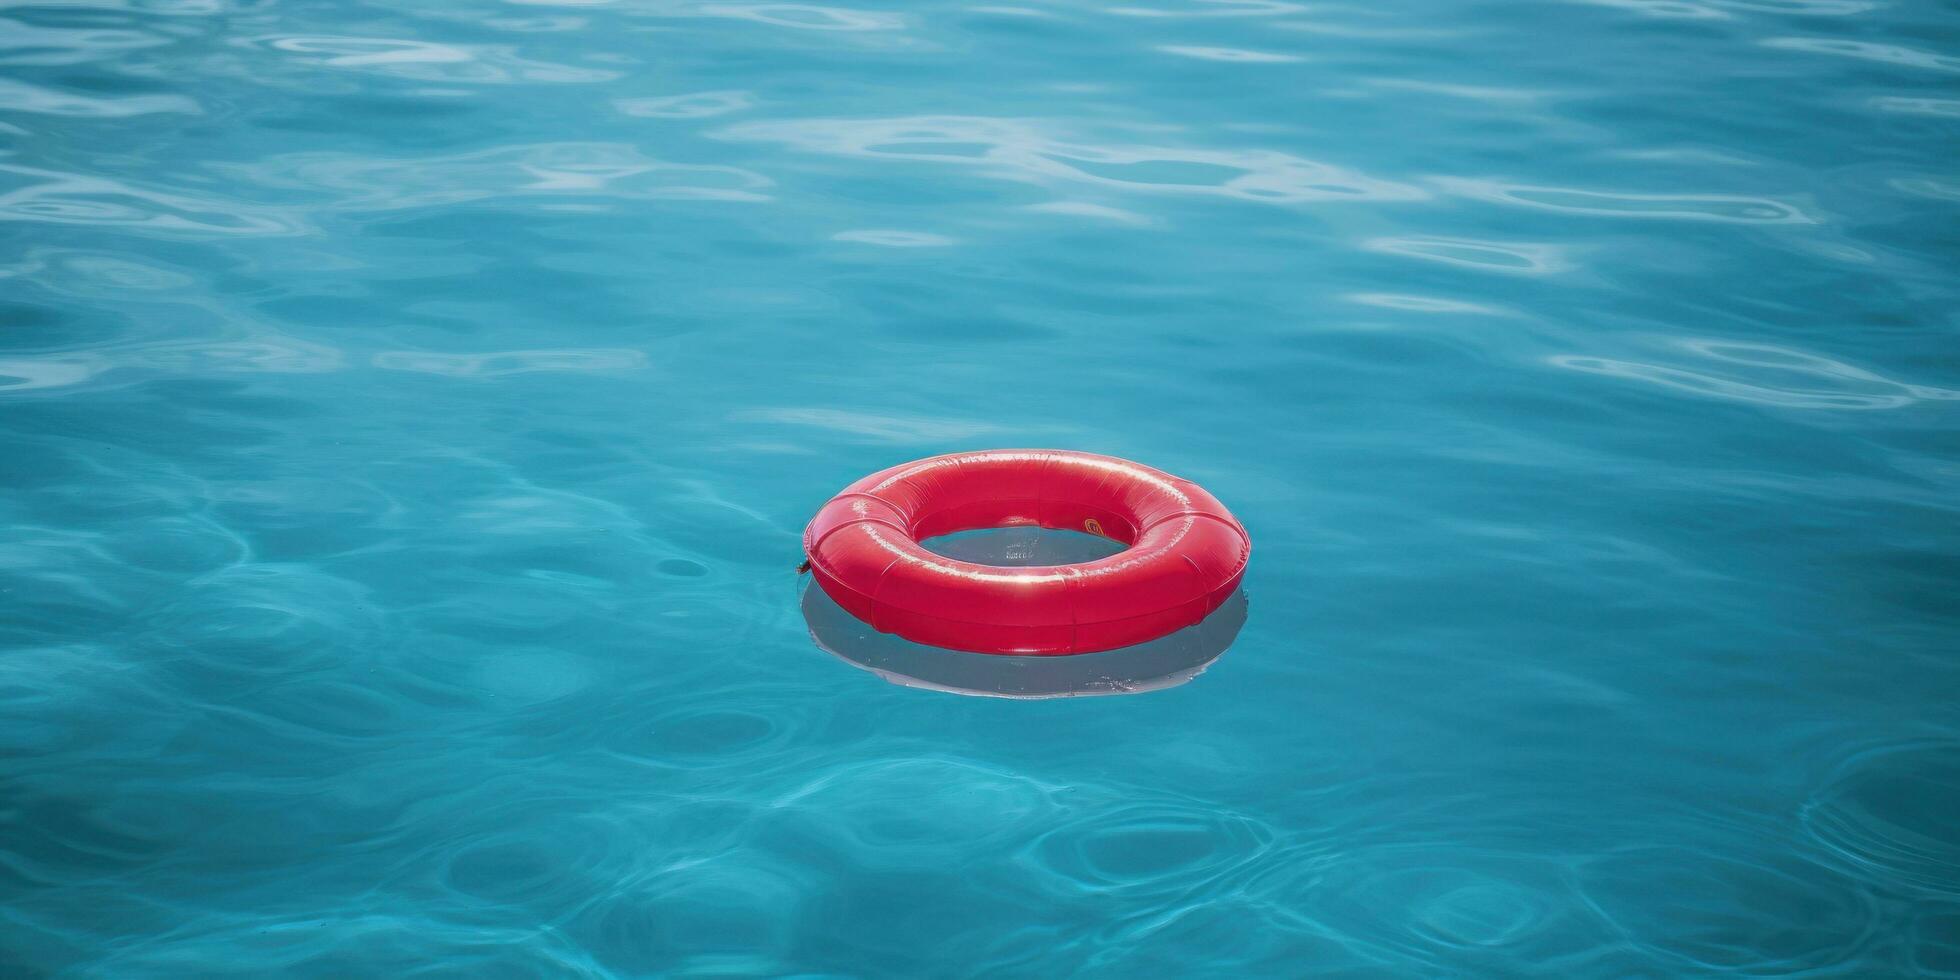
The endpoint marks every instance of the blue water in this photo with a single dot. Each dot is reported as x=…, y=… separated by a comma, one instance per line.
x=409, y=410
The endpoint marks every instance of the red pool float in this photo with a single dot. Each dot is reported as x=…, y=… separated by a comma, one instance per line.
x=1186, y=552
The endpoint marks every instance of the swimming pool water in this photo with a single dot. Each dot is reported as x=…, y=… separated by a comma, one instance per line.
x=409, y=409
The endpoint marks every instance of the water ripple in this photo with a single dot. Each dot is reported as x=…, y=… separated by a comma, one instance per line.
x=1803, y=8
x=391, y=941
x=255, y=624
x=1887, y=814
x=747, y=733
x=138, y=362
x=53, y=197
x=160, y=8
x=1161, y=847
x=1418, y=304
x=498, y=364
x=21, y=97
x=1761, y=916
x=22, y=43
x=1917, y=105
x=604, y=170
x=803, y=16
x=880, y=428
x=895, y=814
x=102, y=483
x=98, y=275
x=1214, y=8
x=894, y=238
x=1237, y=55
x=1891, y=54
x=176, y=545
x=545, y=872
x=1751, y=370
x=1426, y=905
x=693, y=105
x=1932, y=187
x=1022, y=149
x=735, y=913
x=1935, y=949
x=1693, y=207
x=19, y=374
x=1725, y=9
x=425, y=60
x=1474, y=93
x=1522, y=258
x=1100, y=212
x=1670, y=9
x=52, y=572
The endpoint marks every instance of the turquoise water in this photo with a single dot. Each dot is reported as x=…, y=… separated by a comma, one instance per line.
x=409, y=409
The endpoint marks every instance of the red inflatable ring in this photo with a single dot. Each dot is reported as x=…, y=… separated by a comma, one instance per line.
x=1186, y=552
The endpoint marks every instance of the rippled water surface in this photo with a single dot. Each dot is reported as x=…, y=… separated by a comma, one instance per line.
x=409, y=410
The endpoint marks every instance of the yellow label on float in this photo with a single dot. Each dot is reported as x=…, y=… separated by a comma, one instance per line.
x=1093, y=526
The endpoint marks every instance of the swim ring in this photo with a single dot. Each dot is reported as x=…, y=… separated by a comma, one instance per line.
x=1185, y=552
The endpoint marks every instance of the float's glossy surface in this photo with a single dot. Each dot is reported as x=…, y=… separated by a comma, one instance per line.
x=1184, y=552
